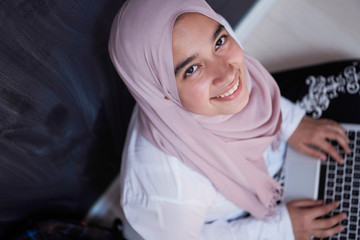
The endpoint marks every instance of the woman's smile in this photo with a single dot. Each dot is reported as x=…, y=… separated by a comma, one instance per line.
x=232, y=92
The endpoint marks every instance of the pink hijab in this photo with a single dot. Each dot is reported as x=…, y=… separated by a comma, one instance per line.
x=227, y=149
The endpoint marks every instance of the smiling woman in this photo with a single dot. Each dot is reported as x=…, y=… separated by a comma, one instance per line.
x=208, y=133
x=210, y=74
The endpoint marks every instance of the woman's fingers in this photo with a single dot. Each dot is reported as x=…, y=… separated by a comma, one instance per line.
x=329, y=149
x=306, y=203
x=327, y=223
x=328, y=232
x=324, y=209
x=317, y=209
x=305, y=217
x=338, y=134
x=329, y=226
x=311, y=151
x=313, y=135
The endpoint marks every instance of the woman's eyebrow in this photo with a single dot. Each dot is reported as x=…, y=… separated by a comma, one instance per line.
x=189, y=59
x=217, y=32
x=184, y=63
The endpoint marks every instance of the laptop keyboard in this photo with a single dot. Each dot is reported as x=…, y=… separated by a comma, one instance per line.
x=342, y=183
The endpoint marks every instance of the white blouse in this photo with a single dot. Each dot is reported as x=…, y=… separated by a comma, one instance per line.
x=164, y=199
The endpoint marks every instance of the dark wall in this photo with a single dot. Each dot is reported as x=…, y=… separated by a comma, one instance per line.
x=232, y=10
x=63, y=108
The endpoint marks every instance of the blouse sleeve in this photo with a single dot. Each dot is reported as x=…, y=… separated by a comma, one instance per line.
x=166, y=219
x=274, y=228
x=291, y=117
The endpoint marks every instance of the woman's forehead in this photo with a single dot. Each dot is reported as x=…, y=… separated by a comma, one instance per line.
x=193, y=31
x=193, y=27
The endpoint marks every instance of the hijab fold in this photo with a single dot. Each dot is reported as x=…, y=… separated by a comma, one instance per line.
x=227, y=149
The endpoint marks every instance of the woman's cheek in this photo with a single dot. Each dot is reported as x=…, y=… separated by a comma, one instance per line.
x=195, y=95
x=200, y=89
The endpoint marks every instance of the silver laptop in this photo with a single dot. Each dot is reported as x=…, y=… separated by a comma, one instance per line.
x=306, y=177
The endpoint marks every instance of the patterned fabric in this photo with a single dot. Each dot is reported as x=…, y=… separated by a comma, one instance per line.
x=329, y=90
x=323, y=89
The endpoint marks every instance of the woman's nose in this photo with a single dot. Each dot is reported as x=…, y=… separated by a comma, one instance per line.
x=222, y=72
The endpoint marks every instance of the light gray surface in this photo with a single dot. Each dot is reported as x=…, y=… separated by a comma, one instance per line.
x=301, y=176
x=304, y=32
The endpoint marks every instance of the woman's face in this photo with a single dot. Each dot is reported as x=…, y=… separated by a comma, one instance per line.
x=209, y=67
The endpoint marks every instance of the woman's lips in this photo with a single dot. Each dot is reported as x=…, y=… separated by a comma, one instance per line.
x=231, y=93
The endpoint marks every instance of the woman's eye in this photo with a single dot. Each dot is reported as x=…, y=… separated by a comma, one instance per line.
x=220, y=42
x=190, y=70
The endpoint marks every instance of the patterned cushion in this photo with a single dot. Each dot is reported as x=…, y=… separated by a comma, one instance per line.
x=328, y=90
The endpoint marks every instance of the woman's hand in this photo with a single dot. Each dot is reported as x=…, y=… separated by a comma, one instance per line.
x=314, y=133
x=304, y=216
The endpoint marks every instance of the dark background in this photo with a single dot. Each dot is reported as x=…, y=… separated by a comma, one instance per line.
x=63, y=109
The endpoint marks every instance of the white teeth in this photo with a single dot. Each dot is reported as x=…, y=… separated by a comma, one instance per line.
x=231, y=91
